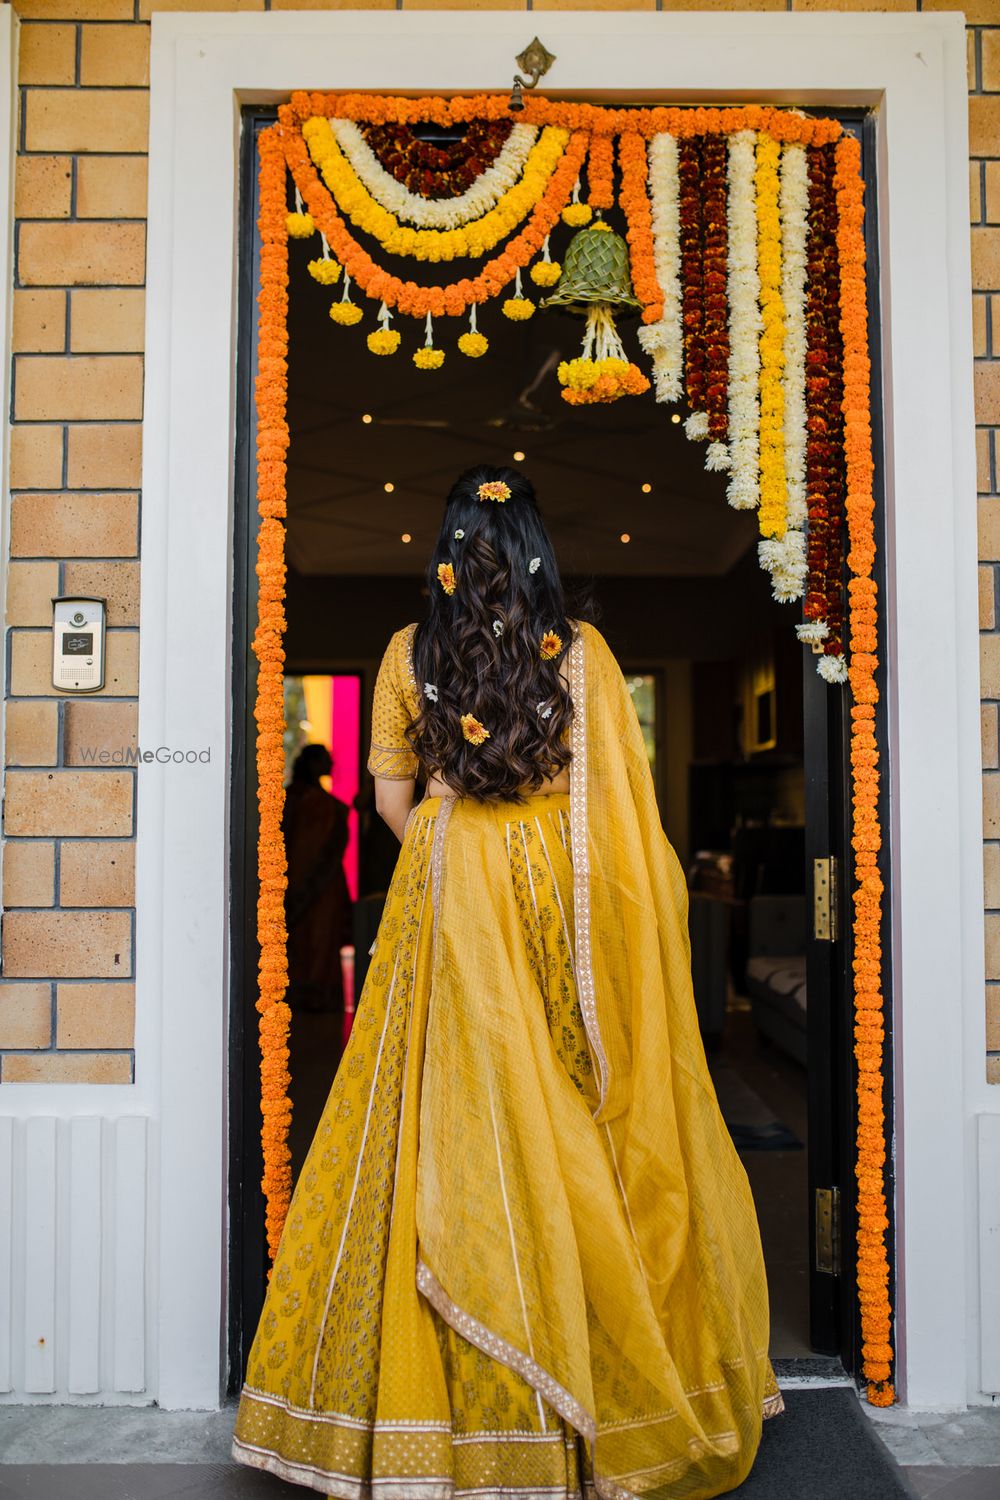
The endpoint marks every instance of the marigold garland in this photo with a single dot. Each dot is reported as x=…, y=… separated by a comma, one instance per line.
x=437, y=169
x=772, y=511
x=716, y=302
x=634, y=199
x=601, y=172
x=692, y=265
x=269, y=712
x=743, y=488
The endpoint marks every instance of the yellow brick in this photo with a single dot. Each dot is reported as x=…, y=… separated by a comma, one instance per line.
x=73, y=525
x=39, y=322
x=988, y=731
x=31, y=664
x=114, y=55
x=97, y=733
x=97, y=872
x=107, y=321
x=111, y=187
x=991, y=875
x=989, y=666
x=983, y=483
x=992, y=1017
x=986, y=384
x=987, y=599
x=330, y=5
x=977, y=12
x=991, y=57
x=724, y=4
x=975, y=193
x=25, y=1015
x=31, y=587
x=992, y=200
x=78, y=388
x=970, y=59
x=117, y=582
x=993, y=945
x=36, y=456
x=518, y=4
x=68, y=804
x=29, y=873
x=853, y=5
x=147, y=7
x=43, y=187
x=66, y=1067
x=993, y=1070
x=32, y=732
x=984, y=121
x=82, y=254
x=95, y=1015
x=67, y=945
x=46, y=54
x=991, y=805
x=978, y=326
x=75, y=10
x=985, y=258
x=102, y=456
x=87, y=120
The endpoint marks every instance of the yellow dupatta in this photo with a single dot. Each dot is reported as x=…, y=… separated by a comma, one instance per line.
x=606, y=1249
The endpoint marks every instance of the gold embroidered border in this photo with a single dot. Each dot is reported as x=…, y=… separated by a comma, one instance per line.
x=581, y=864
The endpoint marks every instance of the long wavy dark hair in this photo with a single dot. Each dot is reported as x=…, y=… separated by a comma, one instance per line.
x=478, y=650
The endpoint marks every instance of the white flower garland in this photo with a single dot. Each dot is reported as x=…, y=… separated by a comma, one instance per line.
x=743, y=489
x=785, y=557
x=436, y=213
x=664, y=341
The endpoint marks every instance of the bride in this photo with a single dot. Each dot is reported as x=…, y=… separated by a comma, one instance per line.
x=522, y=1257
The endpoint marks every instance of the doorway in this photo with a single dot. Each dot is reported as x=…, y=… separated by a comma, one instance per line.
x=747, y=745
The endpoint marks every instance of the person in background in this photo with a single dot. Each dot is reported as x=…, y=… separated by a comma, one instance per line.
x=317, y=901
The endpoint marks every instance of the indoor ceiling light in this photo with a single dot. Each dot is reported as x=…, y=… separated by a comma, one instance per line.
x=676, y=417
x=646, y=489
x=406, y=537
x=625, y=537
x=366, y=417
x=518, y=457
x=388, y=486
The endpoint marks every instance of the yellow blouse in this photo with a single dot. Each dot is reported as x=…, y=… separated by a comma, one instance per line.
x=395, y=707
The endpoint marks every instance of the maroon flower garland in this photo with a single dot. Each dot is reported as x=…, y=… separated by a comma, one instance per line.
x=437, y=171
x=692, y=265
x=715, y=300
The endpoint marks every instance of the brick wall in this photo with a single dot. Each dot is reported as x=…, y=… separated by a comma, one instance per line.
x=66, y=999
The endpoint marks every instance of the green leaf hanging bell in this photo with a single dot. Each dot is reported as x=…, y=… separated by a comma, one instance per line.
x=595, y=269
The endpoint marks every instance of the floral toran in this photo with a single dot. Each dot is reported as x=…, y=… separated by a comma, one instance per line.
x=745, y=235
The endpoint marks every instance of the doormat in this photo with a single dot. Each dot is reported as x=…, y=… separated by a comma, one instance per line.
x=823, y=1447
x=751, y=1122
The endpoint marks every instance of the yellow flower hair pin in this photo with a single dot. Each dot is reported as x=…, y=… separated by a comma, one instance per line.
x=494, y=489
x=550, y=645
x=446, y=577
x=473, y=731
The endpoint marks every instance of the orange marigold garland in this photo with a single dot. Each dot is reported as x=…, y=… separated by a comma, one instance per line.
x=634, y=199
x=601, y=172
x=873, y=1260
x=269, y=712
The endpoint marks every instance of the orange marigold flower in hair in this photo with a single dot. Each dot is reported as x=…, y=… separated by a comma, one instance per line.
x=446, y=577
x=494, y=489
x=473, y=731
x=550, y=645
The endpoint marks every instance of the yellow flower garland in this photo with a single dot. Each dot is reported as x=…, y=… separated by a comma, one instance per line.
x=472, y=240
x=773, y=511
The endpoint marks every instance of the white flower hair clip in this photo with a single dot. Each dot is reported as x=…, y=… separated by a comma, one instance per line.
x=498, y=628
x=430, y=692
x=546, y=713
x=534, y=565
x=459, y=534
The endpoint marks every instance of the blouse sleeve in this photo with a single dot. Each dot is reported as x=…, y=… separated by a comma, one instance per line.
x=391, y=755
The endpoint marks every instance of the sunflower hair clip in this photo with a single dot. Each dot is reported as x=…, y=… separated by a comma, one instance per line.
x=446, y=577
x=494, y=489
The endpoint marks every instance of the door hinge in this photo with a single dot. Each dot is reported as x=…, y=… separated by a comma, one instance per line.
x=825, y=899
x=828, y=1230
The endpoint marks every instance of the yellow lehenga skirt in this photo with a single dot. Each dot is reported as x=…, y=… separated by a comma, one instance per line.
x=457, y=1305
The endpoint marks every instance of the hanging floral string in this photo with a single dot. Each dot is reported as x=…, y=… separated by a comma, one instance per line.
x=663, y=341
x=634, y=199
x=269, y=712
x=692, y=267
x=743, y=489
x=600, y=172
x=771, y=514
x=716, y=303
x=869, y=1033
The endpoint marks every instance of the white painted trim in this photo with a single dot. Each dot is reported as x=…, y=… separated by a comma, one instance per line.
x=912, y=66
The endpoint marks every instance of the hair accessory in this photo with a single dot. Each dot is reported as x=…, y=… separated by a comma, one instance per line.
x=494, y=489
x=550, y=645
x=546, y=713
x=473, y=731
x=430, y=692
x=534, y=565
x=498, y=627
x=459, y=534
x=446, y=577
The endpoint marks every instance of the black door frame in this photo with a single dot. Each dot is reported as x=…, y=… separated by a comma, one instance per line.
x=834, y=1312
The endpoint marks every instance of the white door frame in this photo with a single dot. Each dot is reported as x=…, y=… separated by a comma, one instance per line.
x=204, y=66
